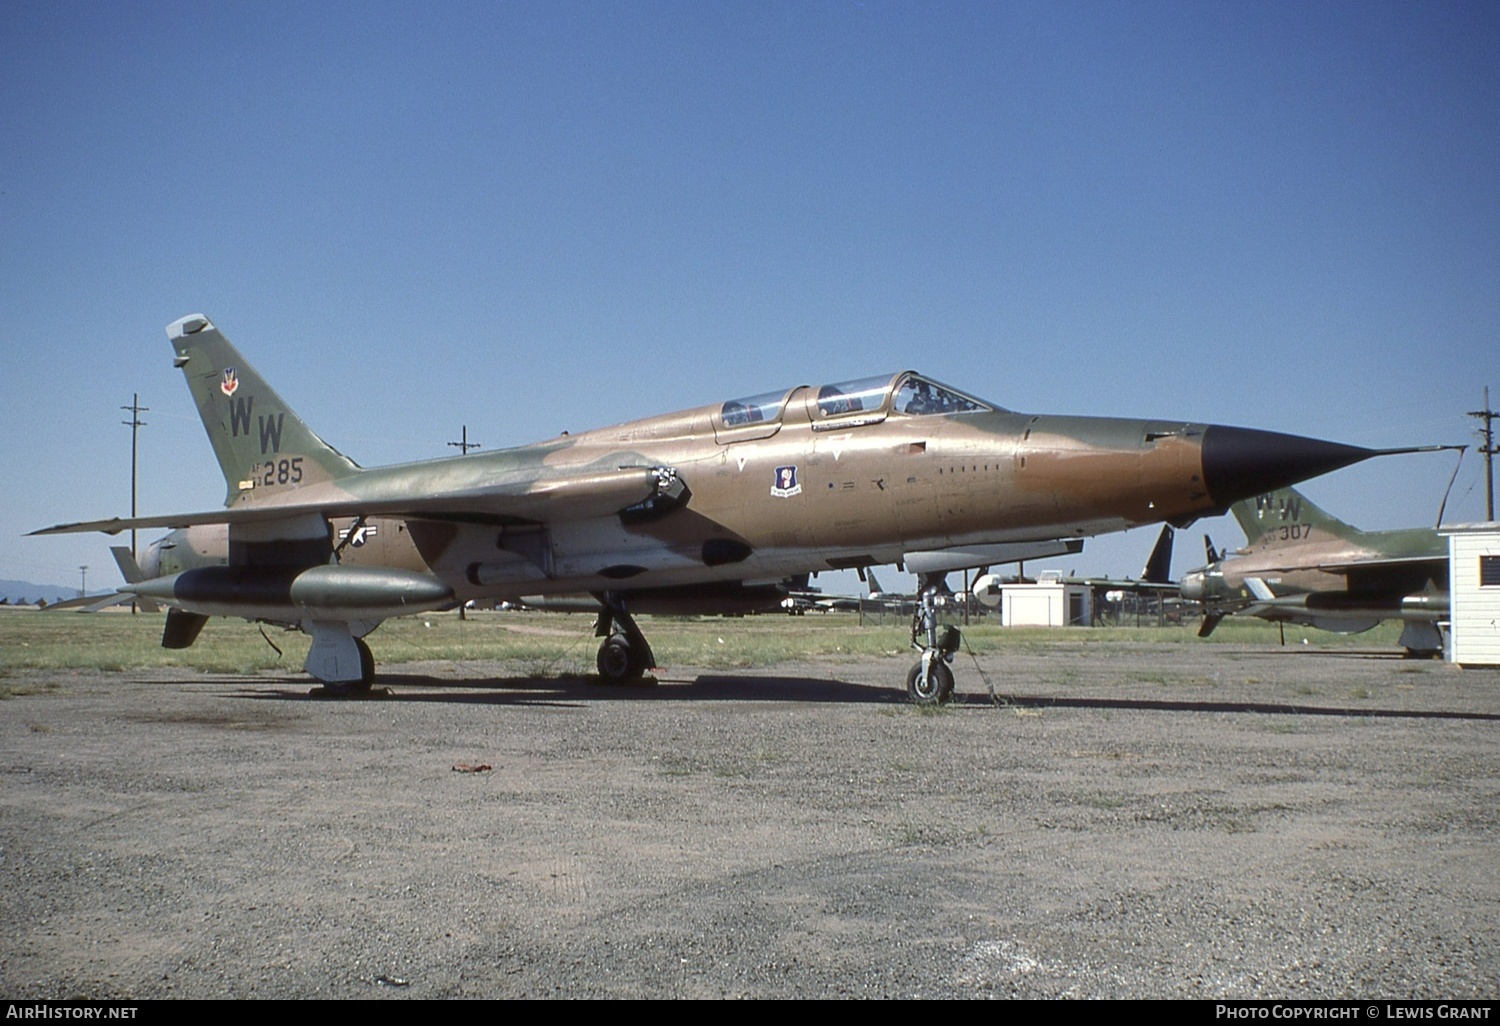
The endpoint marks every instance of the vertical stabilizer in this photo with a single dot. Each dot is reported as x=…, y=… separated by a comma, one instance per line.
x=263, y=448
x=1158, y=569
x=1286, y=515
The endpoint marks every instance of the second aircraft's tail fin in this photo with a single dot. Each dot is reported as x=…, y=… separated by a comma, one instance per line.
x=1158, y=569
x=263, y=447
x=1286, y=516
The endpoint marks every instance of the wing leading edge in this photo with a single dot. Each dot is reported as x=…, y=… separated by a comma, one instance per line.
x=573, y=497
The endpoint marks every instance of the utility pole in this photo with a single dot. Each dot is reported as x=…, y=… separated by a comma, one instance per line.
x=465, y=445
x=1487, y=432
x=134, y=424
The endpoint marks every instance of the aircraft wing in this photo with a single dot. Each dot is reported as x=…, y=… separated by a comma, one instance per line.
x=1358, y=564
x=1126, y=584
x=537, y=501
x=1383, y=562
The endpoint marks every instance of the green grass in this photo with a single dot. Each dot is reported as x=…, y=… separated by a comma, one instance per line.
x=547, y=644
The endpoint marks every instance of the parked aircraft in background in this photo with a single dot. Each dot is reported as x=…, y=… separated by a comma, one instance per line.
x=804, y=598
x=722, y=499
x=1155, y=582
x=1304, y=566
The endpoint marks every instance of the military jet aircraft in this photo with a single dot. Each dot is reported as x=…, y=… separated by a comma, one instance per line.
x=1302, y=565
x=721, y=500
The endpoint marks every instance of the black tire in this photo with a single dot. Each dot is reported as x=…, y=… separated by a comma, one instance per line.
x=617, y=662
x=366, y=666
x=937, y=689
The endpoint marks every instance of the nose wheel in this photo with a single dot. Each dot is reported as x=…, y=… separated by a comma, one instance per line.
x=930, y=681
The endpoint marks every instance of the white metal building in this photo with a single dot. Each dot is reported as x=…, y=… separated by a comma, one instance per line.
x=1048, y=603
x=1474, y=589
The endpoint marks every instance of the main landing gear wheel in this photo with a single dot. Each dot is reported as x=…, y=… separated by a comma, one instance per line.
x=345, y=688
x=625, y=653
x=619, y=661
x=934, y=687
x=366, y=666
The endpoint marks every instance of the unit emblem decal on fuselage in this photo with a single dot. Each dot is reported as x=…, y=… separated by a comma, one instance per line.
x=786, y=485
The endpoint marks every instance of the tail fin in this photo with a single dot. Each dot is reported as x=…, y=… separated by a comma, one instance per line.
x=263, y=447
x=875, y=588
x=1158, y=568
x=1286, y=515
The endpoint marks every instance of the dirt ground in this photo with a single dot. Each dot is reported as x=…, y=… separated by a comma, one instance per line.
x=1136, y=821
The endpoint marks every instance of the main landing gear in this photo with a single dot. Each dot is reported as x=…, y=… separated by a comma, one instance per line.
x=930, y=681
x=624, y=655
x=345, y=688
x=342, y=662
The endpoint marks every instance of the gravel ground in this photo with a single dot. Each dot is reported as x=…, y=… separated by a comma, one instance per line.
x=1138, y=821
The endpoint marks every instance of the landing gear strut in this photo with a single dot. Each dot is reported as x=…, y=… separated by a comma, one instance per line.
x=930, y=681
x=624, y=654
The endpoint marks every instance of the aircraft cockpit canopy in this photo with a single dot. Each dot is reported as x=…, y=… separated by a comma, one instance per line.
x=846, y=404
x=757, y=409
x=906, y=393
x=921, y=397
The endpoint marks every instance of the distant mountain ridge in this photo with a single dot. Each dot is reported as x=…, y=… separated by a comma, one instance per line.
x=15, y=591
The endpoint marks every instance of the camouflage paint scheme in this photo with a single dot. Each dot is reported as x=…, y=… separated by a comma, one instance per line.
x=1302, y=565
x=720, y=498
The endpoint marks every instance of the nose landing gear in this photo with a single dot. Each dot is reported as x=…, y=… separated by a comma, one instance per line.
x=930, y=681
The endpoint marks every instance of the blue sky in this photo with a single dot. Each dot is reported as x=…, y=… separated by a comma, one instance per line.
x=530, y=217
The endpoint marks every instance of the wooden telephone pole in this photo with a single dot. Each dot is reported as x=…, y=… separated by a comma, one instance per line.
x=1488, y=416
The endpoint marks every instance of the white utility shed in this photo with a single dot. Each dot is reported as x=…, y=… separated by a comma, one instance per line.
x=1048, y=603
x=1474, y=590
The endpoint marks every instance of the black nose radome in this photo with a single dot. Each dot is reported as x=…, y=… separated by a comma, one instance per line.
x=1242, y=462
